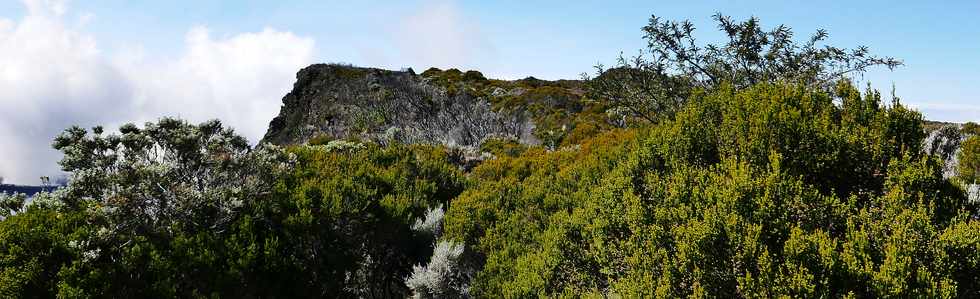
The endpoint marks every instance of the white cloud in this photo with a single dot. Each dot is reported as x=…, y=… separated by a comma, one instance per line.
x=50, y=77
x=53, y=75
x=440, y=35
x=239, y=80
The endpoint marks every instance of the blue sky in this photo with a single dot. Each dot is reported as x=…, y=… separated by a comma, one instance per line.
x=192, y=58
x=561, y=39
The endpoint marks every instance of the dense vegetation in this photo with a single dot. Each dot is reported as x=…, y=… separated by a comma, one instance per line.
x=335, y=220
x=750, y=169
x=969, y=159
x=769, y=191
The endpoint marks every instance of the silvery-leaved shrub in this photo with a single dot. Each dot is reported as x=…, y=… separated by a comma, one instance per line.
x=444, y=276
x=431, y=224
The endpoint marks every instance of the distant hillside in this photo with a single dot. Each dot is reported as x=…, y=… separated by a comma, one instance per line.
x=452, y=107
x=29, y=190
x=931, y=125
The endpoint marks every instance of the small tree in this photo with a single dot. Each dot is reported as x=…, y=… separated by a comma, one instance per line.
x=656, y=82
x=969, y=160
x=169, y=174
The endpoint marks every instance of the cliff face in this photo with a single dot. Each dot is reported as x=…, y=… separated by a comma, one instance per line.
x=448, y=107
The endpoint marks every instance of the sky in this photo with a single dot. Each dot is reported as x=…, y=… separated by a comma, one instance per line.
x=109, y=62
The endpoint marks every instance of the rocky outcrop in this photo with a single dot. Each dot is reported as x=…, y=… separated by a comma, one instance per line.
x=338, y=102
x=944, y=142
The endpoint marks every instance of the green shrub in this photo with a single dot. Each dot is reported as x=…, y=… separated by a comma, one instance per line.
x=969, y=159
x=770, y=191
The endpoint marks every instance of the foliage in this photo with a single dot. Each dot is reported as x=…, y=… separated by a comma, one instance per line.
x=180, y=210
x=151, y=195
x=771, y=191
x=431, y=223
x=969, y=159
x=657, y=82
x=168, y=175
x=341, y=224
x=320, y=140
x=503, y=147
x=342, y=145
x=34, y=246
x=11, y=203
x=971, y=128
x=443, y=276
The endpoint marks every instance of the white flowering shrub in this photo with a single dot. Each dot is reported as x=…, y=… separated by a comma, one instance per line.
x=11, y=203
x=167, y=175
x=342, y=146
x=47, y=200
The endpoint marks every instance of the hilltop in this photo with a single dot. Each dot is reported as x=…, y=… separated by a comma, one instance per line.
x=451, y=107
